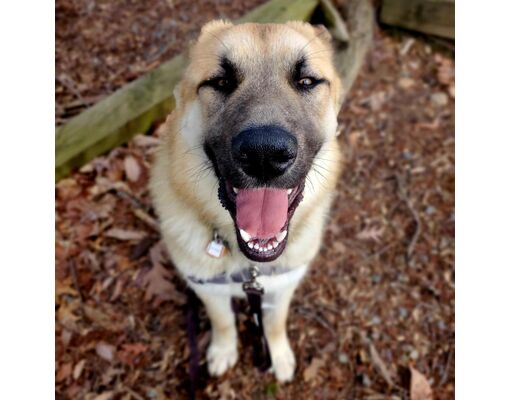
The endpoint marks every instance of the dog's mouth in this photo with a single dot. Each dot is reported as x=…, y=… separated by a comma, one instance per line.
x=261, y=217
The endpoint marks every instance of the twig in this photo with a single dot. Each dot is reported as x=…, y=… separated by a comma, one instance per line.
x=74, y=277
x=417, y=232
x=69, y=83
x=132, y=392
x=382, y=250
x=324, y=323
x=446, y=371
x=145, y=217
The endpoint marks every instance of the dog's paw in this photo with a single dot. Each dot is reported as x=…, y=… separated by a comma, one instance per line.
x=284, y=363
x=221, y=358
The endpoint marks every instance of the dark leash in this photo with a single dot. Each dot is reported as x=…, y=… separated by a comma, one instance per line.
x=254, y=292
x=261, y=357
x=192, y=332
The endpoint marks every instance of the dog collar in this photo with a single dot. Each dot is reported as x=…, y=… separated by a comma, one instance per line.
x=241, y=276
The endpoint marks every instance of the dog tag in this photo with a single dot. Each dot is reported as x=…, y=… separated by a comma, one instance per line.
x=216, y=247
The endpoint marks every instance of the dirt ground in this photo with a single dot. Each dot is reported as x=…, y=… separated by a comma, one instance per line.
x=379, y=298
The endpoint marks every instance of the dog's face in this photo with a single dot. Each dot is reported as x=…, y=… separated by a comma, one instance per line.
x=261, y=100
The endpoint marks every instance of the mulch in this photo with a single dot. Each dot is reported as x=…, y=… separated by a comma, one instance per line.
x=379, y=298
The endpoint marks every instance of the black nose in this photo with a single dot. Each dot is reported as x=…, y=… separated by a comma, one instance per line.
x=264, y=152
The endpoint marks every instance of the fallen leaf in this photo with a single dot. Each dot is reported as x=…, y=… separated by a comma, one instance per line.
x=129, y=352
x=66, y=315
x=156, y=281
x=78, y=369
x=405, y=83
x=65, y=288
x=63, y=372
x=379, y=365
x=124, y=234
x=105, y=351
x=312, y=370
x=102, y=319
x=109, y=374
x=105, y=395
x=157, y=284
x=445, y=71
x=132, y=168
x=146, y=141
x=420, y=387
x=225, y=390
x=354, y=138
x=371, y=233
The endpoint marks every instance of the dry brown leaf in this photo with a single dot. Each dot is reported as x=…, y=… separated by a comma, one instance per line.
x=105, y=395
x=157, y=284
x=63, y=372
x=105, y=351
x=124, y=234
x=156, y=281
x=102, y=319
x=66, y=315
x=420, y=387
x=146, y=141
x=371, y=233
x=130, y=351
x=225, y=390
x=132, y=168
x=312, y=370
x=445, y=71
x=354, y=138
x=78, y=369
x=65, y=287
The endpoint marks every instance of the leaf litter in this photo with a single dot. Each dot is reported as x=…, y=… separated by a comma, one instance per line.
x=120, y=315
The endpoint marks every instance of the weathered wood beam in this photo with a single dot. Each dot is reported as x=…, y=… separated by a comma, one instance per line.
x=137, y=106
x=436, y=17
x=360, y=23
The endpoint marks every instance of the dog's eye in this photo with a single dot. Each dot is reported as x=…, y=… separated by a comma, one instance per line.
x=305, y=82
x=221, y=84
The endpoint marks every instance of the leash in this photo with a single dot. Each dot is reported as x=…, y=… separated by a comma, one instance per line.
x=192, y=305
x=261, y=356
x=254, y=292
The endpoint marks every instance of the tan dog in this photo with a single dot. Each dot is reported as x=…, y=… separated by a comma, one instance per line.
x=250, y=158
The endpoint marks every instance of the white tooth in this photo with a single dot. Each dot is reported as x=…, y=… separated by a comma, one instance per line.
x=264, y=249
x=256, y=246
x=289, y=191
x=281, y=235
x=275, y=244
x=250, y=245
x=270, y=246
x=245, y=235
x=236, y=190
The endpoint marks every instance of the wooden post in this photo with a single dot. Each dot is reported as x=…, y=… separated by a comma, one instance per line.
x=436, y=17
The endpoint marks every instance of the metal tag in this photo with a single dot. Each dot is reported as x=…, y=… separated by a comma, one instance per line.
x=216, y=247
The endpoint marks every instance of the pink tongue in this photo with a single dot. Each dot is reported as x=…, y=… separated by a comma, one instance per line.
x=262, y=212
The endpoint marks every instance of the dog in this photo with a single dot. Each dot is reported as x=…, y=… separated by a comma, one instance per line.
x=246, y=172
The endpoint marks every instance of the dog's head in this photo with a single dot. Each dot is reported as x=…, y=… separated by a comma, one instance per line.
x=260, y=100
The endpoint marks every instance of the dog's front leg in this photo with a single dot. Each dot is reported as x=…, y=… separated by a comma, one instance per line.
x=275, y=319
x=222, y=351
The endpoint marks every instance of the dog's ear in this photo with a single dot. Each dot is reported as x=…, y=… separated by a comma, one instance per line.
x=215, y=27
x=320, y=31
x=323, y=33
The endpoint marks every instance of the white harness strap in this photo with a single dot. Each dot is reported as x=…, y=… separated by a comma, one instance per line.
x=272, y=282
